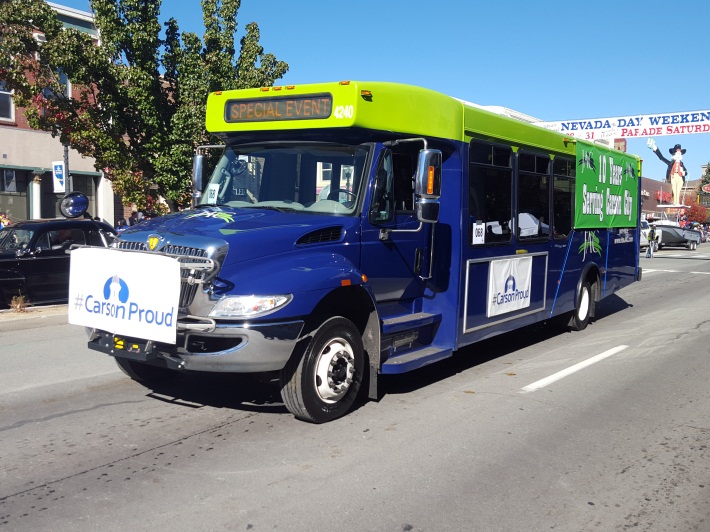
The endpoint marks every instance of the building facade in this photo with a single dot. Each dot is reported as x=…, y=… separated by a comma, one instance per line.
x=27, y=188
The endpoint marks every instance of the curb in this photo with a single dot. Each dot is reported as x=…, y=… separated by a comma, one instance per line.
x=34, y=317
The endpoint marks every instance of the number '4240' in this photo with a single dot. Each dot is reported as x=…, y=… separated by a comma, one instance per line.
x=343, y=111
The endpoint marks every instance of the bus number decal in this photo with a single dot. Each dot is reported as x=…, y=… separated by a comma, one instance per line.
x=344, y=111
x=479, y=234
x=212, y=192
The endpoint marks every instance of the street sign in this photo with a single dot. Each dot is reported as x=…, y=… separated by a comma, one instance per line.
x=59, y=177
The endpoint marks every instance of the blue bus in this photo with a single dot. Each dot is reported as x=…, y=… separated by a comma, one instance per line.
x=355, y=229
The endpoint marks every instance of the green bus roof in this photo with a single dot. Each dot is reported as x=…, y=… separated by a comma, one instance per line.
x=374, y=105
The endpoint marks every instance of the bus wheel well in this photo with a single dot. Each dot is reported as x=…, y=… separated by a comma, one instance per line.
x=593, y=277
x=355, y=304
x=352, y=303
x=331, y=364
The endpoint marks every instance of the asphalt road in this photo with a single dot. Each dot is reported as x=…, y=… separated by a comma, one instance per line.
x=604, y=429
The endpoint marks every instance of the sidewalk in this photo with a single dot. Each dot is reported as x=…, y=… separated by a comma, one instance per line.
x=34, y=317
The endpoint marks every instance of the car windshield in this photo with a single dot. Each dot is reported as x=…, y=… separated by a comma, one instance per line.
x=13, y=238
x=319, y=178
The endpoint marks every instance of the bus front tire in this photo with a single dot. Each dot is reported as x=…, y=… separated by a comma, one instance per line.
x=322, y=383
x=583, y=310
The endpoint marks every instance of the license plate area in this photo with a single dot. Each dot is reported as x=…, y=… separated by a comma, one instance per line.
x=133, y=348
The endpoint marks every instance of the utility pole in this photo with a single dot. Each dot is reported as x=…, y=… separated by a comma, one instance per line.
x=68, y=179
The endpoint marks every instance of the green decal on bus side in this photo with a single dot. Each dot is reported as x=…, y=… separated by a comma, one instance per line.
x=607, y=188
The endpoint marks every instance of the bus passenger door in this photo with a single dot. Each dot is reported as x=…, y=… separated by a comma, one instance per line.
x=394, y=245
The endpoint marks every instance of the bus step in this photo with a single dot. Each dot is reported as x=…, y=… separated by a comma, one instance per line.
x=415, y=359
x=406, y=322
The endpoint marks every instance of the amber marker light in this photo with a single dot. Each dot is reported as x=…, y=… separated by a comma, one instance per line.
x=264, y=89
x=345, y=83
x=364, y=278
x=430, y=181
x=218, y=93
x=345, y=282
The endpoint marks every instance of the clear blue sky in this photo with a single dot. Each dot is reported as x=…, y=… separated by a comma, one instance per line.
x=555, y=60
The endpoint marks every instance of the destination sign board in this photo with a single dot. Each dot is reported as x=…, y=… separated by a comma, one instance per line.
x=280, y=108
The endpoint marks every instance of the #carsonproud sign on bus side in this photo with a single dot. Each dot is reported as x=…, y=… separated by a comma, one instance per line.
x=607, y=189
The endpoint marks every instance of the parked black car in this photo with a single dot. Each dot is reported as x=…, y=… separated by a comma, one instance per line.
x=34, y=261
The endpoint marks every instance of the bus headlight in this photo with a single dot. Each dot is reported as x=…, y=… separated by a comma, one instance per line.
x=248, y=306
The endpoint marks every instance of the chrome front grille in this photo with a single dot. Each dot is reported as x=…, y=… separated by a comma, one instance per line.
x=131, y=246
x=197, y=267
x=183, y=251
x=193, y=273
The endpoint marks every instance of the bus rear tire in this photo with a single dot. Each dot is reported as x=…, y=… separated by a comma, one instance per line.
x=583, y=310
x=322, y=383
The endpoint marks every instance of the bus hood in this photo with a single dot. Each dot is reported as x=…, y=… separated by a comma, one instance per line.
x=251, y=233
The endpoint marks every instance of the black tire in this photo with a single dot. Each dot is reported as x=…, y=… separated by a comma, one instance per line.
x=321, y=383
x=144, y=373
x=583, y=310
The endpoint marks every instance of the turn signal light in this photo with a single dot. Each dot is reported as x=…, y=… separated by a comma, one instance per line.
x=430, y=180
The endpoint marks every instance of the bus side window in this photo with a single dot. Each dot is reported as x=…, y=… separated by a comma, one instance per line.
x=404, y=169
x=562, y=195
x=382, y=206
x=490, y=189
x=533, y=196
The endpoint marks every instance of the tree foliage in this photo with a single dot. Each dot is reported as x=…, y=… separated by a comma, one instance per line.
x=697, y=213
x=704, y=180
x=139, y=98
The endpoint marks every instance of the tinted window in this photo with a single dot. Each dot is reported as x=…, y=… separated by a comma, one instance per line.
x=533, y=196
x=490, y=189
x=562, y=196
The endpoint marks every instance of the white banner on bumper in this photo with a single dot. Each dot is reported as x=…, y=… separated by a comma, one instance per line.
x=126, y=293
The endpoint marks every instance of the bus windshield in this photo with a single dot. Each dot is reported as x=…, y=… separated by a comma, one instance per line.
x=320, y=178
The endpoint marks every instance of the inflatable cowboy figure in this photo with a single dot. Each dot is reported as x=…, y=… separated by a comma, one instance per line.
x=676, y=172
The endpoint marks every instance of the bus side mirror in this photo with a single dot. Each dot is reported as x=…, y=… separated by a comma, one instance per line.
x=198, y=165
x=427, y=185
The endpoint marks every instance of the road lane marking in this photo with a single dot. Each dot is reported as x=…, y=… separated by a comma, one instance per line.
x=572, y=369
x=652, y=270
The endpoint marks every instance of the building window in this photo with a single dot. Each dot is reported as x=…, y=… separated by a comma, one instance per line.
x=7, y=109
x=8, y=183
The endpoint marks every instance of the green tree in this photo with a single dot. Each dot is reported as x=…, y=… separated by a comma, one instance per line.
x=139, y=98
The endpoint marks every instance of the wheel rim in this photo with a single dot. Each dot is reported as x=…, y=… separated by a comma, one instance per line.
x=335, y=369
x=583, y=305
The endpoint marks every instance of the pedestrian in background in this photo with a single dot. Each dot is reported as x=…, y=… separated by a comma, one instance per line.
x=652, y=237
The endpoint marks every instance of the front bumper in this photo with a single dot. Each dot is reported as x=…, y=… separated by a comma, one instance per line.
x=226, y=347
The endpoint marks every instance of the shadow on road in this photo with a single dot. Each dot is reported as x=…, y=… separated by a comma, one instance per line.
x=220, y=390
x=240, y=392
x=492, y=348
